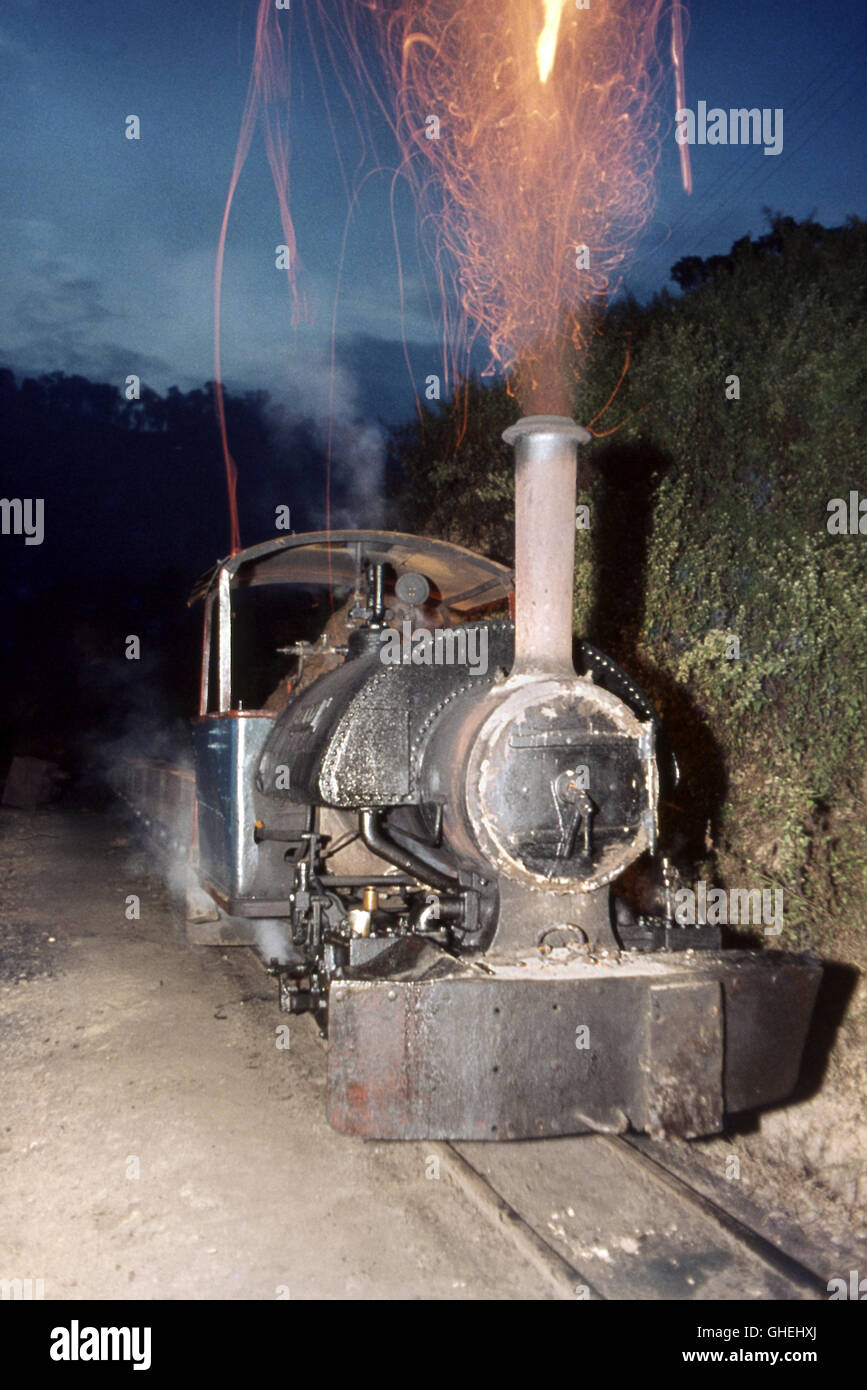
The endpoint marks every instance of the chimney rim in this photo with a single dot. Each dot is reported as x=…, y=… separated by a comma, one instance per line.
x=546, y=426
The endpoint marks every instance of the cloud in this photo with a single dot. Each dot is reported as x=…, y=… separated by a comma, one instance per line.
x=61, y=314
x=59, y=302
x=58, y=322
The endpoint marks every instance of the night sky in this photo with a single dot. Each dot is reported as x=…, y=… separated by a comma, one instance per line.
x=108, y=244
x=107, y=248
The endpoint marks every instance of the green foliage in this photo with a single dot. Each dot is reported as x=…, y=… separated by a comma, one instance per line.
x=709, y=523
x=458, y=474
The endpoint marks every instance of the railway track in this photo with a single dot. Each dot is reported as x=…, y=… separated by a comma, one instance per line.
x=601, y=1217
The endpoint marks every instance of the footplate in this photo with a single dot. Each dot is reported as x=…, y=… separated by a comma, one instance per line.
x=513, y=1050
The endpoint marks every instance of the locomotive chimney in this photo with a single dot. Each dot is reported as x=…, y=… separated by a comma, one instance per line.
x=546, y=461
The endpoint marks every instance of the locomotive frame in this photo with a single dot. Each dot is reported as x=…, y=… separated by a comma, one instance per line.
x=461, y=950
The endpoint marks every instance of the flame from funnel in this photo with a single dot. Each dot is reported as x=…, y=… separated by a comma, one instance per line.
x=546, y=48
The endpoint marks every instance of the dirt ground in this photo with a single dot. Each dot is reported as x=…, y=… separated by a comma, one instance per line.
x=154, y=1140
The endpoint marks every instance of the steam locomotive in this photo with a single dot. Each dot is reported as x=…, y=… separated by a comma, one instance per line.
x=422, y=831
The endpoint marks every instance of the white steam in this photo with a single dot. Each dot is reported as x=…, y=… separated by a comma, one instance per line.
x=329, y=407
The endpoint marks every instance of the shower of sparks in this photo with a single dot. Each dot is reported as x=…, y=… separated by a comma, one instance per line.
x=529, y=132
x=535, y=178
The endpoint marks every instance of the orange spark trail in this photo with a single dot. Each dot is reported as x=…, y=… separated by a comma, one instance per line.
x=680, y=88
x=267, y=94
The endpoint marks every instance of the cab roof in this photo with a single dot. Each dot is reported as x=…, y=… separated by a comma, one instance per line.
x=461, y=578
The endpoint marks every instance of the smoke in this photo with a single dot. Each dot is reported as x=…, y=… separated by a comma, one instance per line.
x=139, y=753
x=324, y=399
x=147, y=763
x=273, y=940
x=134, y=716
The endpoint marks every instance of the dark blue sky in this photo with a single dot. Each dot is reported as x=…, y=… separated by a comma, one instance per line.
x=108, y=245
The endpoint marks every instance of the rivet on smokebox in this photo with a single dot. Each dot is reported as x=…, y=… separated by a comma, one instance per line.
x=359, y=921
x=392, y=994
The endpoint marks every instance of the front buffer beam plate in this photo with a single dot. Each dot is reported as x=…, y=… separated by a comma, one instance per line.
x=662, y=1045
